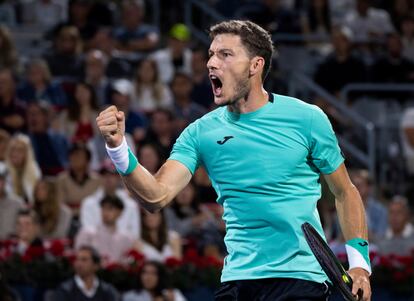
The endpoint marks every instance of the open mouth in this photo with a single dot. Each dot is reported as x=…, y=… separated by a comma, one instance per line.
x=216, y=84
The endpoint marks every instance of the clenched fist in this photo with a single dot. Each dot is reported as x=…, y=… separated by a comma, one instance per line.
x=111, y=123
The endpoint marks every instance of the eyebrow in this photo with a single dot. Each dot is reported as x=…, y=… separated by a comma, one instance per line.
x=210, y=52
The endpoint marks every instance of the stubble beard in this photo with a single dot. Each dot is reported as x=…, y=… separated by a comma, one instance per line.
x=240, y=91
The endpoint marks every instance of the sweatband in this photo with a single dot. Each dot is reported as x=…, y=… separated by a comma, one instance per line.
x=123, y=158
x=357, y=250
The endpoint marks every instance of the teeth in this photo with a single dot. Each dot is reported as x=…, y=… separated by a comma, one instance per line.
x=213, y=77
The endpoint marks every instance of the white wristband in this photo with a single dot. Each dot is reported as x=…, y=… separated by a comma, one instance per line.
x=122, y=157
x=356, y=259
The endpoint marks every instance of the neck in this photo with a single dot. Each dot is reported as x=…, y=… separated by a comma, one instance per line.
x=88, y=280
x=110, y=226
x=255, y=99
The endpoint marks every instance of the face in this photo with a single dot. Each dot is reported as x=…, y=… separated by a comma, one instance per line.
x=36, y=74
x=407, y=27
x=110, y=214
x=82, y=95
x=149, y=277
x=66, y=43
x=228, y=68
x=160, y=123
x=146, y=72
x=84, y=265
x=26, y=228
x=152, y=220
x=41, y=191
x=78, y=160
x=120, y=100
x=181, y=87
x=36, y=119
x=6, y=83
x=131, y=16
x=111, y=181
x=148, y=157
x=394, y=45
x=340, y=42
x=18, y=153
x=185, y=196
x=95, y=67
x=398, y=216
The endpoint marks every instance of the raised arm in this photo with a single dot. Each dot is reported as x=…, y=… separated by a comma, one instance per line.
x=153, y=191
x=351, y=216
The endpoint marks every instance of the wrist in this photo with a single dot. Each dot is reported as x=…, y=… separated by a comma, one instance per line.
x=357, y=250
x=122, y=157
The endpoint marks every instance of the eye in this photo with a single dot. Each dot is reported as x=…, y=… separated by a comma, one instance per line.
x=226, y=54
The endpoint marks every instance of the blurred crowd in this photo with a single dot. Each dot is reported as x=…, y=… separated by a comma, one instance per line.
x=55, y=178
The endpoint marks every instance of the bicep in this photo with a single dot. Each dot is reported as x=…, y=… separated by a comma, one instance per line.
x=339, y=181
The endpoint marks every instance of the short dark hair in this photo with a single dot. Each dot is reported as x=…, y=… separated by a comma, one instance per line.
x=113, y=201
x=257, y=41
x=96, y=258
x=29, y=213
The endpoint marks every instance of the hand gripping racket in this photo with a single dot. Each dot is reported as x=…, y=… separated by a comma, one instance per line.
x=329, y=263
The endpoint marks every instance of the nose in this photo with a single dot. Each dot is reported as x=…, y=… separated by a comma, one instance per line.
x=212, y=62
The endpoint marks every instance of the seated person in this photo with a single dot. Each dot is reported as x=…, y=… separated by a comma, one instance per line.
x=85, y=285
x=111, y=244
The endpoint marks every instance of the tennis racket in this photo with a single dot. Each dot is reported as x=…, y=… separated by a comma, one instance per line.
x=329, y=263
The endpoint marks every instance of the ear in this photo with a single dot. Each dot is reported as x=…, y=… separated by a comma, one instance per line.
x=256, y=65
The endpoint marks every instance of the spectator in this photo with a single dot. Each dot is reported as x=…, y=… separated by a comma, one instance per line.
x=201, y=92
x=129, y=222
x=152, y=280
x=186, y=110
x=340, y=67
x=271, y=15
x=376, y=213
x=39, y=86
x=78, y=122
x=317, y=18
x=150, y=157
x=407, y=37
x=149, y=92
x=195, y=221
x=367, y=22
x=64, y=58
x=399, y=239
x=111, y=244
x=96, y=62
x=43, y=14
x=10, y=205
x=85, y=285
x=157, y=241
x=50, y=148
x=77, y=182
x=135, y=122
x=54, y=217
x=28, y=231
x=11, y=109
x=339, y=9
x=8, y=53
x=407, y=138
x=176, y=56
x=23, y=168
x=4, y=142
x=133, y=35
x=398, y=9
x=161, y=131
x=393, y=68
x=117, y=66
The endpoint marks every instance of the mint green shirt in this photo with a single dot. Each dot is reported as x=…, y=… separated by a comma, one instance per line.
x=265, y=167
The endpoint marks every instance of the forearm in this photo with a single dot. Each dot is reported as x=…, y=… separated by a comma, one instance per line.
x=351, y=214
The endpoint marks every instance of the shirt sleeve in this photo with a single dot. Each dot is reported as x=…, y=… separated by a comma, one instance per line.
x=186, y=148
x=325, y=153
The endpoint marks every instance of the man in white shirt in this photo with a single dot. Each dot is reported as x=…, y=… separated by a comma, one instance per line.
x=368, y=22
x=129, y=222
x=85, y=285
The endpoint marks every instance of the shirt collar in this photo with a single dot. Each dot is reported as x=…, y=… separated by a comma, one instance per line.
x=81, y=285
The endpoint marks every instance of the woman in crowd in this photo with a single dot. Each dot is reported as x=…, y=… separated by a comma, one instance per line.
x=152, y=282
x=78, y=122
x=38, y=86
x=157, y=241
x=24, y=170
x=149, y=156
x=149, y=92
x=54, y=217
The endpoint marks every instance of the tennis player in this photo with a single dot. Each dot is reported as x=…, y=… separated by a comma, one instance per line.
x=264, y=154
